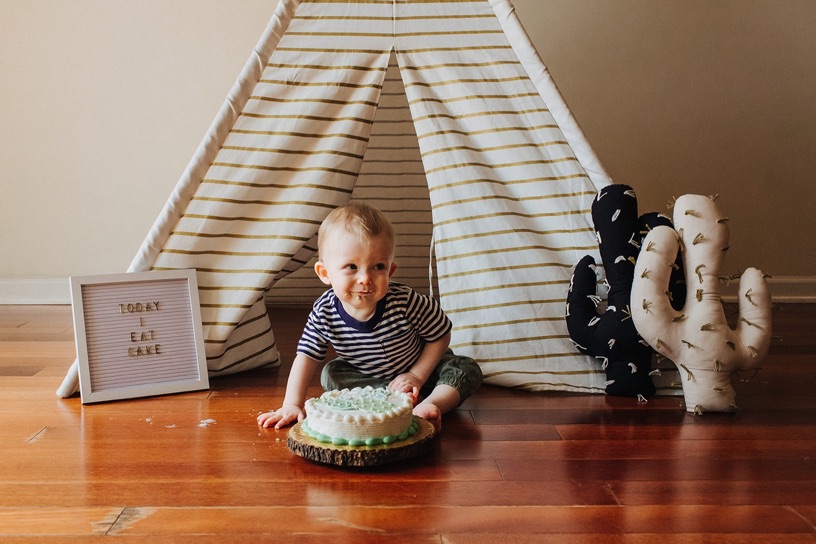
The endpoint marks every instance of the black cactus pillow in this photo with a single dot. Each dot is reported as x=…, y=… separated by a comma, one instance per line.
x=603, y=328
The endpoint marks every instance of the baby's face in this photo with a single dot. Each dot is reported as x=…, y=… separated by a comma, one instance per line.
x=357, y=270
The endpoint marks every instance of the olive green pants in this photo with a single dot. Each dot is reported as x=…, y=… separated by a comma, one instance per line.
x=460, y=372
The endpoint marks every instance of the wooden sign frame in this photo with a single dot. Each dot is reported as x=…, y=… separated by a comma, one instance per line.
x=138, y=334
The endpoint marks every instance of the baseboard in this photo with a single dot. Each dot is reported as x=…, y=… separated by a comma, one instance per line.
x=45, y=291
x=784, y=289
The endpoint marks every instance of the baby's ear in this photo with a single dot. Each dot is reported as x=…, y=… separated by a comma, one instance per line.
x=393, y=269
x=322, y=272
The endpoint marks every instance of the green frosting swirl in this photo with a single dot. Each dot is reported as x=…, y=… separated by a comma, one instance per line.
x=375, y=401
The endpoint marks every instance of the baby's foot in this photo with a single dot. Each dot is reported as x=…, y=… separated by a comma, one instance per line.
x=431, y=413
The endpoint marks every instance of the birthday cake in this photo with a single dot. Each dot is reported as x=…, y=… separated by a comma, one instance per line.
x=363, y=416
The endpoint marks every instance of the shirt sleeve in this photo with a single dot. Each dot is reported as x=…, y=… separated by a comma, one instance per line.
x=427, y=317
x=313, y=343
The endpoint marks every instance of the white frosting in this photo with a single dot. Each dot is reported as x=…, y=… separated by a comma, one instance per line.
x=360, y=414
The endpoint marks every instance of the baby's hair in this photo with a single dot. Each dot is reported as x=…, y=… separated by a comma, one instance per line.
x=360, y=219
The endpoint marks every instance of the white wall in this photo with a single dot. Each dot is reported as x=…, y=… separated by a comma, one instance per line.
x=102, y=103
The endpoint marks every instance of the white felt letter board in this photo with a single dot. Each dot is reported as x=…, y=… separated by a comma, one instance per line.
x=138, y=334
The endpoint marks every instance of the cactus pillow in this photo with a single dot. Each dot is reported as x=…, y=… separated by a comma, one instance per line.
x=697, y=338
x=609, y=334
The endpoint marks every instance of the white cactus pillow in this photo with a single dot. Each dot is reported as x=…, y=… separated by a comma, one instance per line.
x=697, y=338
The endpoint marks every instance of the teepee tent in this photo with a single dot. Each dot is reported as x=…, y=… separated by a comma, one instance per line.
x=377, y=99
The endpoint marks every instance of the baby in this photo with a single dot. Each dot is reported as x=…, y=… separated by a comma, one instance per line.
x=384, y=333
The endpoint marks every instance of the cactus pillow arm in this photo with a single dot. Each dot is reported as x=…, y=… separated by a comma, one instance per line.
x=697, y=338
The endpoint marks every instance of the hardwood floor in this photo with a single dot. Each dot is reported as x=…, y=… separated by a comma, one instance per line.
x=509, y=466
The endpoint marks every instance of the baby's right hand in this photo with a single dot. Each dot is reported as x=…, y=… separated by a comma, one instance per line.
x=282, y=417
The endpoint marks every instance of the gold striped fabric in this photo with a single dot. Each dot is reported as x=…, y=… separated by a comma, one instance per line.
x=291, y=155
x=438, y=112
x=392, y=178
x=510, y=200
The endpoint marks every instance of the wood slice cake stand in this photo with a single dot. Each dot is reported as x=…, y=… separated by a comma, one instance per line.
x=361, y=456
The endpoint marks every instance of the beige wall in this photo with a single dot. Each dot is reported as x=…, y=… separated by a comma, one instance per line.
x=695, y=96
x=102, y=103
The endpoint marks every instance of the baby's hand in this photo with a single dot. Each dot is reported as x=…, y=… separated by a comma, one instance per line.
x=282, y=417
x=407, y=383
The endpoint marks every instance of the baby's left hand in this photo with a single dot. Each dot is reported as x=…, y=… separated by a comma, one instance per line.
x=407, y=383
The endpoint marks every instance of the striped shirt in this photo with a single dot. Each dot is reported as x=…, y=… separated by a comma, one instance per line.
x=386, y=345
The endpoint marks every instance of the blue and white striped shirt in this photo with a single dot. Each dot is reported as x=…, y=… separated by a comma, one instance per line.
x=386, y=345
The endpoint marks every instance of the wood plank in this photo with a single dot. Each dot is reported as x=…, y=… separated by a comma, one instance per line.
x=58, y=521
x=199, y=466
x=698, y=460
x=641, y=417
x=356, y=488
x=458, y=519
x=20, y=370
x=717, y=430
x=629, y=538
x=34, y=349
x=712, y=470
x=268, y=537
x=808, y=513
x=796, y=451
x=454, y=430
x=722, y=492
x=198, y=424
